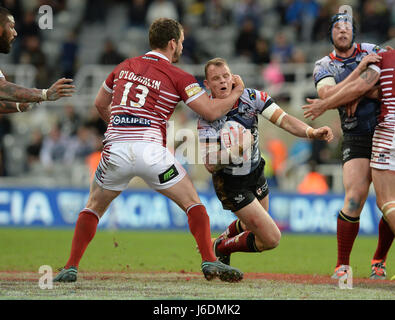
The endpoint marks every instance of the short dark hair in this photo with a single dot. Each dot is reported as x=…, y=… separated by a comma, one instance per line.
x=4, y=14
x=163, y=30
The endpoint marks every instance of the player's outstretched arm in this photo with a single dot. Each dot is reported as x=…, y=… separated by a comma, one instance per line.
x=12, y=107
x=276, y=115
x=14, y=93
x=298, y=128
x=212, y=109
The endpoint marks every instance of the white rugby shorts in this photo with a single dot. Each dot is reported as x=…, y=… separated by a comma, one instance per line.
x=383, y=148
x=122, y=161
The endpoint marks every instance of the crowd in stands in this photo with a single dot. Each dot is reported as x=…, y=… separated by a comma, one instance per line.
x=76, y=135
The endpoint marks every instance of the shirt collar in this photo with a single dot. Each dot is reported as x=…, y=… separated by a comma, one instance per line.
x=158, y=54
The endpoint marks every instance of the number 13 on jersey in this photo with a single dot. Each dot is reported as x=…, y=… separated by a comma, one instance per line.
x=140, y=96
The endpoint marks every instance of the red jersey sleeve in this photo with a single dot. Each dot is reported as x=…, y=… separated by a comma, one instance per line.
x=108, y=84
x=188, y=88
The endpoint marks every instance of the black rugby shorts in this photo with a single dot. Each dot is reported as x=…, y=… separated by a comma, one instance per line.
x=356, y=147
x=236, y=192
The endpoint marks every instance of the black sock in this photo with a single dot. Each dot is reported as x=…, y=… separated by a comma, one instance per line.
x=344, y=217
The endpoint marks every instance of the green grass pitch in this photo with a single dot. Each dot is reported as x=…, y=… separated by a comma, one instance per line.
x=173, y=256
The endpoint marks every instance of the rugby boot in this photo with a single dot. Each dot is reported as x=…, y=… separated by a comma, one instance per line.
x=224, y=272
x=340, y=271
x=66, y=275
x=378, y=270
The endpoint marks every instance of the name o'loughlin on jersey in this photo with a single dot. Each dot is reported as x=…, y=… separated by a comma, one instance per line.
x=131, y=76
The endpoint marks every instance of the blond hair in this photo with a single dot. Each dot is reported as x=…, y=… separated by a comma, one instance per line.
x=215, y=62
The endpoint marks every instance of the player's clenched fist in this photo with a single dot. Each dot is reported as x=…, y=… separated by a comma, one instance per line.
x=323, y=133
x=61, y=88
x=238, y=83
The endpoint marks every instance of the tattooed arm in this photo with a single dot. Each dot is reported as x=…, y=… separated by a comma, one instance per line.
x=11, y=107
x=13, y=92
x=348, y=93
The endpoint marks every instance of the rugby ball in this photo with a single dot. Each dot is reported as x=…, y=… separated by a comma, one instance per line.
x=231, y=135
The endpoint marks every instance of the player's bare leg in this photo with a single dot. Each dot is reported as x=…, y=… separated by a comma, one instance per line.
x=185, y=196
x=258, y=221
x=85, y=229
x=356, y=180
x=384, y=185
x=100, y=198
x=256, y=232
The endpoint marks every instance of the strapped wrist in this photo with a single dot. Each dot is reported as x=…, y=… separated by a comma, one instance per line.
x=44, y=94
x=309, y=132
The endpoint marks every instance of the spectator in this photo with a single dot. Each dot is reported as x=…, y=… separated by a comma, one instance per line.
x=375, y=21
x=191, y=49
x=320, y=28
x=95, y=11
x=161, y=9
x=33, y=149
x=216, y=14
x=71, y=121
x=282, y=48
x=5, y=128
x=261, y=53
x=110, y=55
x=248, y=10
x=29, y=25
x=278, y=154
x=80, y=145
x=138, y=13
x=54, y=147
x=314, y=182
x=245, y=41
x=32, y=54
x=301, y=14
x=272, y=76
x=298, y=56
x=68, y=57
x=95, y=122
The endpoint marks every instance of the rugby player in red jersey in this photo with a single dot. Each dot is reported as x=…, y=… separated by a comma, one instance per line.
x=136, y=100
x=382, y=160
x=15, y=98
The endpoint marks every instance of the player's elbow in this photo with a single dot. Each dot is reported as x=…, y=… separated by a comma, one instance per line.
x=210, y=115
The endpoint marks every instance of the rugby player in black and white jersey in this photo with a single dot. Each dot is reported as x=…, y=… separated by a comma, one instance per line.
x=15, y=98
x=242, y=188
x=332, y=73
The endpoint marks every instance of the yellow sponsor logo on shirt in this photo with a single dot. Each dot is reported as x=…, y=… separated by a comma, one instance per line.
x=192, y=89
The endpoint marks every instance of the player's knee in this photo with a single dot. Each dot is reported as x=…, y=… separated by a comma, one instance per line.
x=270, y=242
x=354, y=204
x=274, y=240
